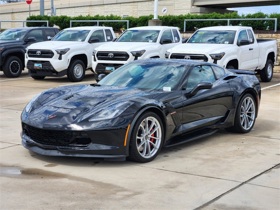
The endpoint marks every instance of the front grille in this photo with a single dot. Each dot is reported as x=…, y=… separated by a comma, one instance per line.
x=112, y=56
x=56, y=138
x=40, y=53
x=200, y=57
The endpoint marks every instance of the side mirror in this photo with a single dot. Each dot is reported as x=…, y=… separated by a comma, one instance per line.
x=100, y=77
x=93, y=40
x=49, y=38
x=166, y=41
x=243, y=42
x=30, y=39
x=200, y=86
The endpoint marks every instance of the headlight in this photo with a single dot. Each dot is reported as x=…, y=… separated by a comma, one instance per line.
x=217, y=56
x=138, y=53
x=62, y=51
x=28, y=107
x=110, y=112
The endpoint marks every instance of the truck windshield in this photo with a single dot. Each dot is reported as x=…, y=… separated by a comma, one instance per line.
x=139, y=36
x=213, y=37
x=13, y=34
x=71, y=35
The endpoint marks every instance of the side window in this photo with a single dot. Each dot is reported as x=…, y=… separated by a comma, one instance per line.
x=37, y=34
x=50, y=33
x=251, y=36
x=242, y=36
x=166, y=35
x=109, y=35
x=176, y=35
x=219, y=72
x=199, y=74
x=99, y=34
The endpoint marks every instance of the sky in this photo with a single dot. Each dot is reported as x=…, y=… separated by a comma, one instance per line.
x=252, y=10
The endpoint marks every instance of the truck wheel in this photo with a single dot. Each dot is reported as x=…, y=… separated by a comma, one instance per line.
x=76, y=71
x=13, y=67
x=266, y=73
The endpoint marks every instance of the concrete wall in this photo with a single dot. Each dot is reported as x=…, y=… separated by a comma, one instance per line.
x=136, y=8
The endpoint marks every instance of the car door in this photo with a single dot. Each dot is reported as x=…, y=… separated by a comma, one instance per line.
x=245, y=52
x=167, y=41
x=207, y=106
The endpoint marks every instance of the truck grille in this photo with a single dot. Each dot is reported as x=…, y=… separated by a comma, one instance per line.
x=112, y=56
x=54, y=137
x=40, y=53
x=200, y=57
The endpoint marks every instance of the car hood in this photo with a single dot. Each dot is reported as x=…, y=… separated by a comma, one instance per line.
x=125, y=46
x=54, y=45
x=193, y=48
x=4, y=43
x=63, y=106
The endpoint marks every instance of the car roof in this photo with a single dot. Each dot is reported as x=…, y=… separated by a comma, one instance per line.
x=87, y=27
x=152, y=28
x=236, y=28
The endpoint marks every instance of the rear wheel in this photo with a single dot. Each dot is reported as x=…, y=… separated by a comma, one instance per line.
x=147, y=138
x=245, y=114
x=13, y=67
x=76, y=71
x=266, y=73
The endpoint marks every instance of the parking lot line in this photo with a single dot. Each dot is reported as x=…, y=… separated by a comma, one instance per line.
x=271, y=86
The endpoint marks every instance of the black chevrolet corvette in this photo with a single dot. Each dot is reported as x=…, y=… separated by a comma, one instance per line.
x=139, y=108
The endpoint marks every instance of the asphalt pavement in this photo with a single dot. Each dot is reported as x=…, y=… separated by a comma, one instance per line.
x=223, y=172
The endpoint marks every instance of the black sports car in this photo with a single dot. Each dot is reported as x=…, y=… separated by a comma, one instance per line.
x=139, y=108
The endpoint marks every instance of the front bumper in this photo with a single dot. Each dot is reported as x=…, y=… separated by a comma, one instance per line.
x=96, y=144
x=47, y=68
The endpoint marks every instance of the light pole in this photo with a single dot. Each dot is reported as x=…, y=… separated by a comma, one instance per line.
x=156, y=9
x=155, y=21
x=42, y=7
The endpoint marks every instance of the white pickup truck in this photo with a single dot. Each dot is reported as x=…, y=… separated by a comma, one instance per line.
x=68, y=53
x=135, y=43
x=234, y=47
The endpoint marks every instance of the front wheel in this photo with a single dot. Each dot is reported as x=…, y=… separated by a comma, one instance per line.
x=13, y=67
x=266, y=73
x=147, y=138
x=76, y=71
x=245, y=116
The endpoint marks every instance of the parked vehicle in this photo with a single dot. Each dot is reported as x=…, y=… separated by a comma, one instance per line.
x=135, y=44
x=139, y=108
x=13, y=43
x=233, y=47
x=68, y=53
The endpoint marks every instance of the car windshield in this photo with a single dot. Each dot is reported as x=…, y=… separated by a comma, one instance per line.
x=149, y=75
x=213, y=37
x=139, y=36
x=13, y=34
x=71, y=35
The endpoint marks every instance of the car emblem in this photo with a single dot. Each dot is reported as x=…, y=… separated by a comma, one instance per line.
x=51, y=116
x=110, y=55
x=187, y=57
x=38, y=52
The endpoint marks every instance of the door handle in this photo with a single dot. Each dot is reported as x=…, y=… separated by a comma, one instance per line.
x=251, y=48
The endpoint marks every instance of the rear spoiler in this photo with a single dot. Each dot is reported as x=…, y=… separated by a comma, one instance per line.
x=238, y=71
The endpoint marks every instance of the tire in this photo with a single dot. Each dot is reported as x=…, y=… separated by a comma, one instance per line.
x=245, y=116
x=13, y=67
x=147, y=138
x=76, y=71
x=38, y=77
x=266, y=73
